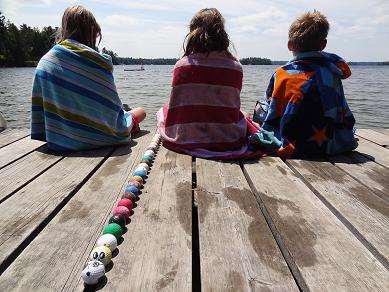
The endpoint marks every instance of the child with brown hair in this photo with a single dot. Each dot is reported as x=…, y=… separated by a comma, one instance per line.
x=304, y=110
x=75, y=104
x=203, y=117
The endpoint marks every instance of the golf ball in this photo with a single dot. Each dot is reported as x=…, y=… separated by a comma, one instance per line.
x=140, y=173
x=92, y=272
x=150, y=152
x=102, y=254
x=126, y=203
x=145, y=165
x=118, y=219
x=133, y=189
x=107, y=240
x=137, y=178
x=114, y=229
x=121, y=210
x=129, y=195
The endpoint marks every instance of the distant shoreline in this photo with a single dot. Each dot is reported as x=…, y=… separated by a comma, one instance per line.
x=170, y=62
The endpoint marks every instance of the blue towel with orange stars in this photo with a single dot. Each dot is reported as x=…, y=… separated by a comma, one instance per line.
x=305, y=107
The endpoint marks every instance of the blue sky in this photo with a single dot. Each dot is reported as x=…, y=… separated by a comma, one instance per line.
x=149, y=28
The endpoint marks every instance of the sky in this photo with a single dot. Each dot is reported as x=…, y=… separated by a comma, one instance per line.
x=359, y=29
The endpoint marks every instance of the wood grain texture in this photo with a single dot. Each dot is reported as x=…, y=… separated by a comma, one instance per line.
x=156, y=254
x=22, y=213
x=9, y=136
x=373, y=136
x=382, y=131
x=319, y=247
x=366, y=171
x=237, y=249
x=367, y=213
x=22, y=171
x=18, y=149
x=374, y=152
x=64, y=245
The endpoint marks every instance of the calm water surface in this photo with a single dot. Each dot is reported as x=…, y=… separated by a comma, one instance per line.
x=367, y=92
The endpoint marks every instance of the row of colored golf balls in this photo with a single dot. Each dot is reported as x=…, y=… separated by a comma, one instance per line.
x=101, y=255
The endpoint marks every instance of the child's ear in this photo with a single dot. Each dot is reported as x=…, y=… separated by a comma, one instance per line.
x=290, y=46
x=323, y=44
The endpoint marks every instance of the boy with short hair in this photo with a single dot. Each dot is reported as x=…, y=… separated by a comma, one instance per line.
x=304, y=110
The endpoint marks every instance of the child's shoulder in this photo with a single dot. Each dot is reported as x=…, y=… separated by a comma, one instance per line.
x=212, y=59
x=315, y=61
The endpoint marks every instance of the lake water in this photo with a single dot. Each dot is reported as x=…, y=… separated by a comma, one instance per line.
x=367, y=92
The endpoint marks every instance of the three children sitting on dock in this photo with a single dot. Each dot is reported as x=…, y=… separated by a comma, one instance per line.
x=75, y=104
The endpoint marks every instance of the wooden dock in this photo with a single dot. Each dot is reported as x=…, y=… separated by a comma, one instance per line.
x=200, y=225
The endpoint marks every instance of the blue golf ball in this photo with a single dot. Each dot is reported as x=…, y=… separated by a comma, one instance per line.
x=133, y=189
x=141, y=173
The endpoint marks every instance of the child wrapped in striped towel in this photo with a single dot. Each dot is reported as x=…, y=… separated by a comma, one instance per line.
x=203, y=117
x=305, y=110
x=75, y=105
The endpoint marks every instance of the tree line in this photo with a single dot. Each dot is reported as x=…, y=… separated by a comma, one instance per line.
x=25, y=45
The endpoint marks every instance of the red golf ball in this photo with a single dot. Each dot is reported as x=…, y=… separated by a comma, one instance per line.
x=121, y=210
x=126, y=203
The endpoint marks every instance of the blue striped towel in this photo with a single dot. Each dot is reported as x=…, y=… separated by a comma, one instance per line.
x=75, y=104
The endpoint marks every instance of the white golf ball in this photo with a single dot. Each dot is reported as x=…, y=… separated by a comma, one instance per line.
x=153, y=148
x=144, y=165
x=107, y=240
x=92, y=272
x=150, y=152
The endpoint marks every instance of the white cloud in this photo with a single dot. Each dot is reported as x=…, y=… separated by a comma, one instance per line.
x=120, y=21
x=163, y=41
x=151, y=28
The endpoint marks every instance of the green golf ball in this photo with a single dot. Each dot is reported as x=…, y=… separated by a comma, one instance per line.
x=114, y=229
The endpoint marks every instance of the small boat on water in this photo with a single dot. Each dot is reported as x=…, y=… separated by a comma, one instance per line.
x=134, y=69
x=140, y=69
x=3, y=122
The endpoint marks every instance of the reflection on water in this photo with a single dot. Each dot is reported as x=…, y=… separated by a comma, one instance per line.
x=367, y=92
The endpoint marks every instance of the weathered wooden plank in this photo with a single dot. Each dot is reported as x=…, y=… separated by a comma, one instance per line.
x=382, y=131
x=366, y=171
x=75, y=228
x=374, y=152
x=373, y=136
x=322, y=253
x=24, y=212
x=237, y=249
x=22, y=171
x=366, y=214
x=17, y=150
x=9, y=136
x=156, y=253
